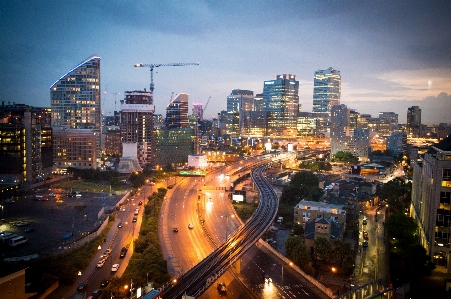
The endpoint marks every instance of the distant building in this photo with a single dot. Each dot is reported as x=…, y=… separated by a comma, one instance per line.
x=137, y=123
x=177, y=112
x=26, y=143
x=414, y=121
x=326, y=92
x=431, y=201
x=13, y=282
x=396, y=143
x=75, y=103
x=281, y=106
x=173, y=146
x=198, y=111
x=388, y=123
x=355, y=141
x=112, y=141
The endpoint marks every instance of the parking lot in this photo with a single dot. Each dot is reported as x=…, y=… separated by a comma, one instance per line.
x=53, y=218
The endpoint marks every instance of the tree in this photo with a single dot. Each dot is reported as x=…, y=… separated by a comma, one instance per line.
x=322, y=248
x=303, y=185
x=345, y=157
x=297, y=253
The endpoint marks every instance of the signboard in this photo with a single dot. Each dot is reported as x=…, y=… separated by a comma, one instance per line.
x=237, y=197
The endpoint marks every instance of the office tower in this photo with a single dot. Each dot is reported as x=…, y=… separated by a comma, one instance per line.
x=173, y=146
x=306, y=124
x=177, y=112
x=198, y=111
x=388, y=122
x=344, y=138
x=326, y=93
x=26, y=144
x=229, y=123
x=431, y=201
x=242, y=101
x=137, y=124
x=76, y=116
x=414, y=121
x=281, y=106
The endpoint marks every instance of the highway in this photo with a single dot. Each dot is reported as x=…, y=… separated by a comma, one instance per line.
x=196, y=280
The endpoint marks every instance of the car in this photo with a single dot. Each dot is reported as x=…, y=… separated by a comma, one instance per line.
x=119, y=225
x=82, y=286
x=221, y=287
x=96, y=293
x=365, y=235
x=140, y=203
x=21, y=223
x=123, y=209
x=364, y=221
x=108, y=251
x=114, y=268
x=59, y=201
x=52, y=194
x=43, y=199
x=134, y=219
x=39, y=196
x=100, y=263
x=190, y=226
x=9, y=200
x=104, y=283
x=30, y=229
x=175, y=229
x=104, y=257
x=136, y=211
x=365, y=243
x=123, y=252
x=268, y=279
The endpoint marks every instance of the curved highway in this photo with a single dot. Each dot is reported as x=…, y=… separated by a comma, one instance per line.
x=205, y=272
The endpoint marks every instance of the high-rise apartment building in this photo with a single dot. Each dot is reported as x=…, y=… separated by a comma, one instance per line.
x=326, y=91
x=414, y=121
x=137, y=123
x=343, y=137
x=177, y=112
x=431, y=201
x=26, y=144
x=281, y=106
x=388, y=122
x=75, y=103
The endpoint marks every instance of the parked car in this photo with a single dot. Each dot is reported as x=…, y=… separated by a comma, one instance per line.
x=52, y=195
x=96, y=293
x=140, y=203
x=21, y=223
x=115, y=268
x=119, y=225
x=30, y=229
x=190, y=226
x=365, y=243
x=9, y=200
x=134, y=219
x=365, y=235
x=82, y=286
x=364, y=221
x=176, y=229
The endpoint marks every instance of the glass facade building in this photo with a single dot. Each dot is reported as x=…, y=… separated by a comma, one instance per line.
x=281, y=106
x=177, y=112
x=414, y=121
x=75, y=103
x=326, y=91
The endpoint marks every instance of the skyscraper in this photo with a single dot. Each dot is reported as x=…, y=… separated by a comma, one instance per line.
x=414, y=121
x=75, y=103
x=326, y=91
x=281, y=106
x=388, y=122
x=137, y=123
x=198, y=111
x=177, y=112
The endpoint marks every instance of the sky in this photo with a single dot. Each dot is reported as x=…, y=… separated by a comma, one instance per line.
x=391, y=54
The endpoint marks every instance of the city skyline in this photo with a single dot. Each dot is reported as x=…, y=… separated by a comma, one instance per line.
x=391, y=56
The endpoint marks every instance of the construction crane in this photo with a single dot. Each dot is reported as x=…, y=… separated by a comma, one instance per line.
x=205, y=107
x=152, y=66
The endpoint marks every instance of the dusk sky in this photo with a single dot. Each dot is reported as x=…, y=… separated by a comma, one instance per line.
x=391, y=54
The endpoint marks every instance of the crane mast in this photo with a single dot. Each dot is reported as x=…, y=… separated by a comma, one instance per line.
x=154, y=65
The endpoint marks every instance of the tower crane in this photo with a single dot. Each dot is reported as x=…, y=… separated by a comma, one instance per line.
x=154, y=65
x=205, y=107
